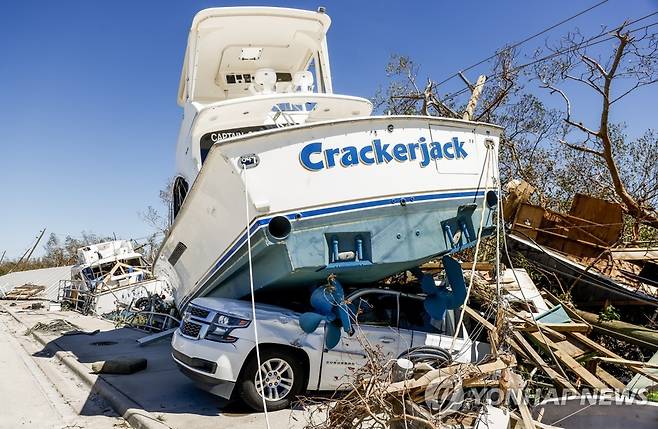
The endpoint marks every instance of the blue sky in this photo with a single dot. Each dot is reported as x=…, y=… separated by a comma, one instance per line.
x=89, y=118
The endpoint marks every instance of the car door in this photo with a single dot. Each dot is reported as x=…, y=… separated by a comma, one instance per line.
x=377, y=318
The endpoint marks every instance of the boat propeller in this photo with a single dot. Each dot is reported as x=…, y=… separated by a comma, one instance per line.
x=440, y=299
x=329, y=304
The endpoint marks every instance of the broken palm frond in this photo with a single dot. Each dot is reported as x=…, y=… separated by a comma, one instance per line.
x=55, y=326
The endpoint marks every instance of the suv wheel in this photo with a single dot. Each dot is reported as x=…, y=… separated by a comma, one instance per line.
x=282, y=376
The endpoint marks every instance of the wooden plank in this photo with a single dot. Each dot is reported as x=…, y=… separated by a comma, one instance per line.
x=541, y=363
x=574, y=349
x=569, y=361
x=493, y=333
x=635, y=254
x=519, y=350
x=608, y=215
x=555, y=336
x=608, y=378
x=526, y=417
x=626, y=362
x=599, y=348
x=567, y=327
x=476, y=316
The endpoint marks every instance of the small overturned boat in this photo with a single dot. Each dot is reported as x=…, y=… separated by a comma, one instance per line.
x=268, y=157
x=109, y=276
x=115, y=263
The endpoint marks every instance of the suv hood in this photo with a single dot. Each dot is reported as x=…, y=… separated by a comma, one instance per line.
x=242, y=309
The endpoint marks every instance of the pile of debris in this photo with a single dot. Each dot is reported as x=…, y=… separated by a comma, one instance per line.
x=584, y=249
x=27, y=291
x=540, y=349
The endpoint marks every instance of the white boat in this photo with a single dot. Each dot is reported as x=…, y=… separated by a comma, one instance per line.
x=115, y=263
x=330, y=189
x=109, y=276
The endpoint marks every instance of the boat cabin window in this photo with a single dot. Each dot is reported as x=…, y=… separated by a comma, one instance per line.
x=180, y=189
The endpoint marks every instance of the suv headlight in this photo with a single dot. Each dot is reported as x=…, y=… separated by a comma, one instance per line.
x=222, y=325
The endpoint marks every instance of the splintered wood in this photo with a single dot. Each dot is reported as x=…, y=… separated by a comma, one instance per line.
x=561, y=350
x=539, y=349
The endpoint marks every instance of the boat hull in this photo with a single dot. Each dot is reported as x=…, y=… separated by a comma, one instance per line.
x=313, y=209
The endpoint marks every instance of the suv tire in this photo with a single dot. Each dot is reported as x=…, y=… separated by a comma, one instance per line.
x=283, y=376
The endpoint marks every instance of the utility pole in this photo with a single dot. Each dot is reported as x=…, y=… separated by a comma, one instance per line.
x=43, y=231
x=31, y=250
x=2, y=258
x=477, y=91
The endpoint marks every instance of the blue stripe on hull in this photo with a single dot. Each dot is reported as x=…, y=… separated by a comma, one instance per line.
x=260, y=223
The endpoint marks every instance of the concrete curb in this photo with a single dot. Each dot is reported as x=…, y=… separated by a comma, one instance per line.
x=137, y=417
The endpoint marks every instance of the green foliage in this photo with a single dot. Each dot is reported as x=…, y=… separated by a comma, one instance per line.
x=609, y=313
x=57, y=252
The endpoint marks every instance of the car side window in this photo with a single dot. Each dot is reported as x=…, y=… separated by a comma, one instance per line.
x=413, y=316
x=377, y=309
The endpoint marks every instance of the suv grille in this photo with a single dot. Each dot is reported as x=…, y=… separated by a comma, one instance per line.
x=199, y=312
x=190, y=329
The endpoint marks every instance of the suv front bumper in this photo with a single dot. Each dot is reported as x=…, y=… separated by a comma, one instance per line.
x=213, y=366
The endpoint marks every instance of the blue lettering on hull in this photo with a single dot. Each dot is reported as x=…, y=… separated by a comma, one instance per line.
x=315, y=158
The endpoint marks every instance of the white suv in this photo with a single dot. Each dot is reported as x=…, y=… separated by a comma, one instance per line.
x=215, y=345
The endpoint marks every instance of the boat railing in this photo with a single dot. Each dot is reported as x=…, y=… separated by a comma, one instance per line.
x=280, y=109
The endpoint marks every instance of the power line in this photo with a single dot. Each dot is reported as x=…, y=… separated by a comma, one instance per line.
x=527, y=39
x=584, y=44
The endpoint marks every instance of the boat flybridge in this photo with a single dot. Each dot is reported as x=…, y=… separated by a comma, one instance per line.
x=325, y=187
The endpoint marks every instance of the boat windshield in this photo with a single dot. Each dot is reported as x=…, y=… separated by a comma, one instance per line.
x=220, y=121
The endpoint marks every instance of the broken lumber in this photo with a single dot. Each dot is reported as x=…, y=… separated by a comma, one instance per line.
x=570, y=362
x=635, y=334
x=599, y=348
x=626, y=362
x=541, y=363
x=566, y=327
x=609, y=379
